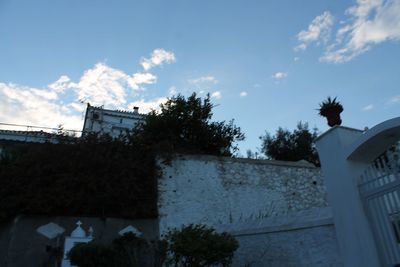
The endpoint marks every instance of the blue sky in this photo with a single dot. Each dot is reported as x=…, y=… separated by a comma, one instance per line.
x=266, y=63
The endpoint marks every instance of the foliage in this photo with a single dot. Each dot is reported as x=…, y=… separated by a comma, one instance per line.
x=291, y=146
x=183, y=125
x=329, y=105
x=136, y=251
x=97, y=175
x=200, y=246
x=91, y=176
x=125, y=251
x=93, y=255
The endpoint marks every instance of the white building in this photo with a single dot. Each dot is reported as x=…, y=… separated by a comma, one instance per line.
x=112, y=122
x=27, y=136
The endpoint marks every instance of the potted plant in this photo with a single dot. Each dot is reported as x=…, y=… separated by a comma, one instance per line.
x=331, y=109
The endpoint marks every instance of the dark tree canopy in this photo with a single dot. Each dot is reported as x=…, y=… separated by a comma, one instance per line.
x=183, y=125
x=291, y=146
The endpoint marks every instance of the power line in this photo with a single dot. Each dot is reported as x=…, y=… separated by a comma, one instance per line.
x=37, y=127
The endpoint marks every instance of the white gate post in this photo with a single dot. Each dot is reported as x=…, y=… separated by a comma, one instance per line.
x=354, y=235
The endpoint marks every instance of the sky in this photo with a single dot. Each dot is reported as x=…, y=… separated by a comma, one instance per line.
x=266, y=64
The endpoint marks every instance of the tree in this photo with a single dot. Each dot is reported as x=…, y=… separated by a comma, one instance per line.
x=291, y=146
x=184, y=126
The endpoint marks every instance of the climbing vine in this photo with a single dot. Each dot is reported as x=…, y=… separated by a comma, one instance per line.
x=92, y=176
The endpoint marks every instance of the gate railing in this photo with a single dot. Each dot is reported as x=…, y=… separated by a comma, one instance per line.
x=379, y=187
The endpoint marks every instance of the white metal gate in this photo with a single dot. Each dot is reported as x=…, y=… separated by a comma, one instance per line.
x=380, y=191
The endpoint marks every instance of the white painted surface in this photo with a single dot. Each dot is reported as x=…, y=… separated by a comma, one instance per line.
x=214, y=191
x=50, y=230
x=130, y=229
x=354, y=234
x=78, y=236
x=113, y=122
x=305, y=238
x=28, y=136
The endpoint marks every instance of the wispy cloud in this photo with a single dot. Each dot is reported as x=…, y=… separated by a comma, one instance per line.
x=204, y=79
x=158, y=57
x=148, y=105
x=27, y=105
x=62, y=101
x=394, y=100
x=368, y=107
x=279, y=75
x=367, y=23
x=243, y=94
x=370, y=22
x=172, y=91
x=216, y=95
x=318, y=31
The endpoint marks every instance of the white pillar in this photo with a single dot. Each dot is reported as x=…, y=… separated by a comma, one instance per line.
x=354, y=235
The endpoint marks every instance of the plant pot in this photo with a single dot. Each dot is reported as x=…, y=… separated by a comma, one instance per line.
x=333, y=117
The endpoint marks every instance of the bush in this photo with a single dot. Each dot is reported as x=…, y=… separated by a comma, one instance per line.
x=125, y=251
x=200, y=246
x=93, y=255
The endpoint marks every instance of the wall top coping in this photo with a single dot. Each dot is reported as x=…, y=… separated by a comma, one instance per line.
x=375, y=140
x=336, y=127
x=298, y=164
x=116, y=111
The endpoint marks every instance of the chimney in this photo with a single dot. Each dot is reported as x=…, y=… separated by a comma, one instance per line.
x=136, y=109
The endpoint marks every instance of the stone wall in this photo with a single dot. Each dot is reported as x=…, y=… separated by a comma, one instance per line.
x=305, y=238
x=22, y=245
x=219, y=191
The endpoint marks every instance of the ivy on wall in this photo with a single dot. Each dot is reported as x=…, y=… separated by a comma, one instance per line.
x=91, y=176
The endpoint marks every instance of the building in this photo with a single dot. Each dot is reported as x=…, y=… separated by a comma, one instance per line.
x=97, y=120
x=112, y=122
x=27, y=136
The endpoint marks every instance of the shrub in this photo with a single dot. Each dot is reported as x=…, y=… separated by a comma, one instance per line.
x=200, y=246
x=125, y=251
x=93, y=255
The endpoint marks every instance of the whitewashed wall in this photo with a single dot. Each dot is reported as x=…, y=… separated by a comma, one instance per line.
x=217, y=191
x=302, y=239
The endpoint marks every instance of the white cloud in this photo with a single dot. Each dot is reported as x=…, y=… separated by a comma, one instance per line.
x=25, y=105
x=317, y=31
x=204, y=79
x=367, y=23
x=62, y=102
x=368, y=107
x=216, y=95
x=295, y=59
x=243, y=94
x=102, y=85
x=172, y=91
x=279, y=75
x=142, y=78
x=394, y=99
x=63, y=83
x=158, y=57
x=146, y=106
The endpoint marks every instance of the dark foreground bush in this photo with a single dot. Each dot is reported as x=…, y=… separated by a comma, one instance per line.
x=93, y=255
x=126, y=251
x=200, y=246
